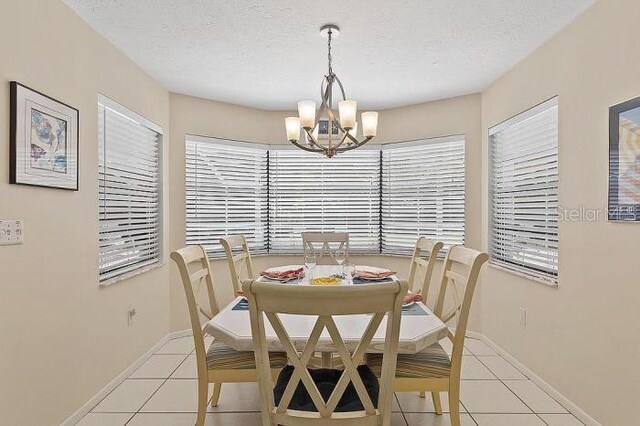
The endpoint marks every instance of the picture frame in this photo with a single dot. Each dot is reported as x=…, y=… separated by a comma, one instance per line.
x=43, y=140
x=323, y=129
x=624, y=161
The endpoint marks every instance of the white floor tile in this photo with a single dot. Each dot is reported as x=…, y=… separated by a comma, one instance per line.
x=105, y=419
x=429, y=419
x=238, y=397
x=410, y=402
x=187, y=370
x=397, y=419
x=508, y=420
x=490, y=396
x=158, y=367
x=179, y=346
x=396, y=407
x=448, y=346
x=473, y=369
x=534, y=397
x=561, y=420
x=180, y=395
x=478, y=347
x=188, y=419
x=128, y=397
x=501, y=368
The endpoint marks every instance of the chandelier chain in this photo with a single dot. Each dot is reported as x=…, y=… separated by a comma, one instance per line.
x=329, y=51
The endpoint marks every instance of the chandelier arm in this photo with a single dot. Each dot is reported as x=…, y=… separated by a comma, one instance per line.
x=344, y=137
x=314, y=142
x=304, y=148
x=349, y=148
x=344, y=96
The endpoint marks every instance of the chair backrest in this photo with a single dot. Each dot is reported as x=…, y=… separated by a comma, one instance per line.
x=239, y=259
x=269, y=300
x=459, y=277
x=195, y=272
x=323, y=245
x=423, y=260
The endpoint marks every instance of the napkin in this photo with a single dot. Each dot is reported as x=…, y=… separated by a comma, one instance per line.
x=412, y=297
x=282, y=275
x=370, y=274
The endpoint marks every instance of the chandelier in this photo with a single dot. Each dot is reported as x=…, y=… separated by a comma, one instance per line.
x=338, y=135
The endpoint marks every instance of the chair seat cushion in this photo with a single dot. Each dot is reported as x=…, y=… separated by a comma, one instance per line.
x=326, y=380
x=223, y=357
x=430, y=363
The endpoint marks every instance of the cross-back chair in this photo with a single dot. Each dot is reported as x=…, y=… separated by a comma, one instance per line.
x=238, y=258
x=423, y=260
x=323, y=245
x=431, y=369
x=219, y=363
x=269, y=300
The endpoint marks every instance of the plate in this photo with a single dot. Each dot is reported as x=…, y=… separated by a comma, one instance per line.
x=373, y=278
x=408, y=305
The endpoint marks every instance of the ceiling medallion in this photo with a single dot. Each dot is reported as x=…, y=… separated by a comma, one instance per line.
x=324, y=133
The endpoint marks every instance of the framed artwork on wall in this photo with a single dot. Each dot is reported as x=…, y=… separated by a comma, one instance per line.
x=43, y=140
x=624, y=161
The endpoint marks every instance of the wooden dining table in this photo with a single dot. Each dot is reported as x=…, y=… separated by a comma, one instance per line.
x=419, y=327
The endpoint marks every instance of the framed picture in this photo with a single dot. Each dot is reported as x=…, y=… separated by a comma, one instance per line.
x=624, y=161
x=323, y=129
x=43, y=140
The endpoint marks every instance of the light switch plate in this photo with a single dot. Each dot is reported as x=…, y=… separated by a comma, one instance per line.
x=11, y=232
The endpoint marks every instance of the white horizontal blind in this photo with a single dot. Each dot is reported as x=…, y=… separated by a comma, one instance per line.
x=129, y=193
x=308, y=192
x=524, y=192
x=226, y=191
x=422, y=193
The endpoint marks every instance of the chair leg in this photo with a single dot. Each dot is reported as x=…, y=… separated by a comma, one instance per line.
x=216, y=394
x=203, y=393
x=454, y=404
x=422, y=394
x=437, y=404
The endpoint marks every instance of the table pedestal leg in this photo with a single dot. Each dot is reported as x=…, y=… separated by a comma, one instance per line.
x=326, y=359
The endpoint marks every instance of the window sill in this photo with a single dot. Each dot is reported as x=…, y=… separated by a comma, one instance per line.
x=523, y=273
x=132, y=274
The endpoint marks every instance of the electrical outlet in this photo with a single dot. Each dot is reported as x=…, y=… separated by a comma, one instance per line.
x=523, y=316
x=131, y=313
x=11, y=232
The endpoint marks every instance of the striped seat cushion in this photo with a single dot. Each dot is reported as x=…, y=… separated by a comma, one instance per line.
x=430, y=363
x=223, y=357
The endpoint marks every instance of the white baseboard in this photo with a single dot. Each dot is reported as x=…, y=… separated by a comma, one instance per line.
x=566, y=403
x=95, y=400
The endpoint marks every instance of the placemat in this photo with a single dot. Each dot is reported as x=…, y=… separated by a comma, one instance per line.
x=242, y=305
x=361, y=281
x=414, y=309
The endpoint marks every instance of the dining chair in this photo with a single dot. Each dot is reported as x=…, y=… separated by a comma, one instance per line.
x=323, y=245
x=431, y=370
x=423, y=260
x=268, y=300
x=219, y=363
x=239, y=261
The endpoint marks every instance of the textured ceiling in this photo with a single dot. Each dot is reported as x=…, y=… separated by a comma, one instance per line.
x=268, y=54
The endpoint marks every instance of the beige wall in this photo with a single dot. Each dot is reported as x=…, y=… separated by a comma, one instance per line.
x=581, y=337
x=63, y=337
x=191, y=115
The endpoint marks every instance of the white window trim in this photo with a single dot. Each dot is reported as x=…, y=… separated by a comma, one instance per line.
x=520, y=271
x=132, y=115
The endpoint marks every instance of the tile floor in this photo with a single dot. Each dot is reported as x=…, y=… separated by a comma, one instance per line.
x=163, y=392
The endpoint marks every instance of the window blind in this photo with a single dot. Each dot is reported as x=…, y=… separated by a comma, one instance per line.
x=129, y=192
x=524, y=192
x=226, y=193
x=308, y=192
x=423, y=193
